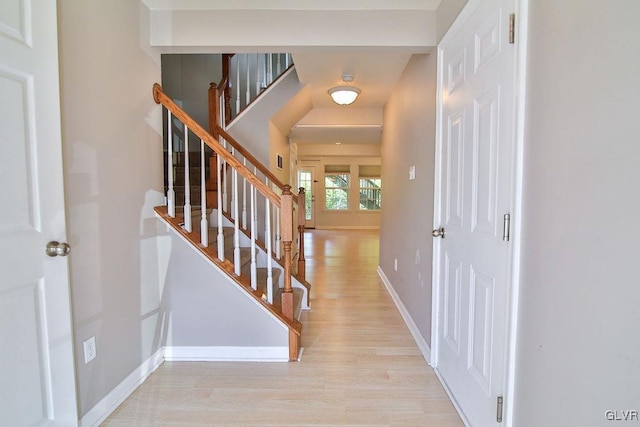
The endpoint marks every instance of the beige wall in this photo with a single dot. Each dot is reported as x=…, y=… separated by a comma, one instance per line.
x=112, y=148
x=408, y=139
x=279, y=145
x=578, y=345
x=186, y=78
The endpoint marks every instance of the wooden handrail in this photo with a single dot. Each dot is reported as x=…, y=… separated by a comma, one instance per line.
x=161, y=98
x=215, y=91
x=254, y=162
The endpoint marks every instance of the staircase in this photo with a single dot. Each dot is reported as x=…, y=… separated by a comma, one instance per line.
x=238, y=215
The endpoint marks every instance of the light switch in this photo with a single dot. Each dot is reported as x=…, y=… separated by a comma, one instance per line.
x=412, y=172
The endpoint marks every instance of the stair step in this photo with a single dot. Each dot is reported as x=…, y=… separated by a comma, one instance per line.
x=245, y=256
x=262, y=276
x=227, y=233
x=194, y=158
x=196, y=196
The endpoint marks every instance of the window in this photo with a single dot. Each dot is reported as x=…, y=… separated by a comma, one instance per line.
x=336, y=184
x=370, y=187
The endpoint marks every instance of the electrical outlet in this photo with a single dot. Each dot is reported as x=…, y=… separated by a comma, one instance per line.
x=89, y=350
x=395, y=264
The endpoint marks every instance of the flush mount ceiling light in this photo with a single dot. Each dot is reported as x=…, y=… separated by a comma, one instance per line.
x=344, y=95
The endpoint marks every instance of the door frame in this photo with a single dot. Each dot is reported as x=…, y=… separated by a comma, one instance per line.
x=302, y=166
x=516, y=208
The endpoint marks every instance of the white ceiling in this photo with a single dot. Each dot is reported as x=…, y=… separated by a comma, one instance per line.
x=371, y=39
x=374, y=74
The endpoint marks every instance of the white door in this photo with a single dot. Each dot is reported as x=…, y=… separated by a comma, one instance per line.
x=307, y=180
x=476, y=122
x=36, y=357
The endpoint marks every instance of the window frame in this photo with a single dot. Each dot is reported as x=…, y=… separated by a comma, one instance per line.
x=344, y=189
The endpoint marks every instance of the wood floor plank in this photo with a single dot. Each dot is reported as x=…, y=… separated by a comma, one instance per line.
x=360, y=365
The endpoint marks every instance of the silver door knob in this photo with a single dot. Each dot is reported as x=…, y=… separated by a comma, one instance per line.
x=438, y=232
x=57, y=249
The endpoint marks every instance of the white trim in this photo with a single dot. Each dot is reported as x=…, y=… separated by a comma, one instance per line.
x=348, y=227
x=96, y=415
x=413, y=328
x=452, y=399
x=226, y=354
x=437, y=217
x=520, y=88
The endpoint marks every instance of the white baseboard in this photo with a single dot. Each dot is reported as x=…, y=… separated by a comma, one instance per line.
x=226, y=354
x=413, y=328
x=96, y=415
x=348, y=227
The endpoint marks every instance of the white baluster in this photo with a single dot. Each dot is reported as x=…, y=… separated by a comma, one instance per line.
x=258, y=74
x=254, y=267
x=234, y=192
x=237, y=84
x=171, y=194
x=225, y=196
x=187, y=183
x=267, y=239
x=248, y=83
x=219, y=210
x=236, y=224
x=279, y=65
x=223, y=112
x=204, y=224
x=269, y=68
x=278, y=242
x=244, y=199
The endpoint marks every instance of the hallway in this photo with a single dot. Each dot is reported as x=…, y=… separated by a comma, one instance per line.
x=360, y=365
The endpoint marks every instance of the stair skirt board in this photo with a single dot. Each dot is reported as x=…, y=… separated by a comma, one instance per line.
x=226, y=354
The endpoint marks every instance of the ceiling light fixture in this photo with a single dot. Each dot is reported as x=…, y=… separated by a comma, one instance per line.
x=344, y=95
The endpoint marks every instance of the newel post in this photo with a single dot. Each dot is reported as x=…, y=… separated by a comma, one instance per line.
x=226, y=68
x=214, y=110
x=286, y=230
x=302, y=217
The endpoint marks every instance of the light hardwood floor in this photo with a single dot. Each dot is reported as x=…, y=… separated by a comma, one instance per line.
x=360, y=365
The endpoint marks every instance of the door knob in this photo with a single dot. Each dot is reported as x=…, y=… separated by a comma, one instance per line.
x=57, y=249
x=438, y=232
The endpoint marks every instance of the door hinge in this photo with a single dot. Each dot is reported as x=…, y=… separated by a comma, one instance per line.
x=506, y=227
x=499, y=409
x=512, y=28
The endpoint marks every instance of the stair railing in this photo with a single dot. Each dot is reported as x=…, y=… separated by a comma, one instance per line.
x=226, y=160
x=249, y=75
x=274, y=242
